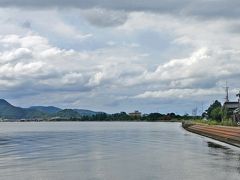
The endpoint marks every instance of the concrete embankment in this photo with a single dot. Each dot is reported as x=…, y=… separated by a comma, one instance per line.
x=230, y=135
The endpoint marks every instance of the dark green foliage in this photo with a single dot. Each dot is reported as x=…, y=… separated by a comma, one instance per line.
x=68, y=113
x=123, y=116
x=216, y=104
x=46, y=109
x=107, y=117
x=215, y=111
x=153, y=117
x=32, y=113
x=216, y=114
x=84, y=112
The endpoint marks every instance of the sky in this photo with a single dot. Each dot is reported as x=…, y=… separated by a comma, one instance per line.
x=119, y=55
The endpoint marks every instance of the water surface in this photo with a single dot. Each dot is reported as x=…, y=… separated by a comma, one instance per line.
x=112, y=151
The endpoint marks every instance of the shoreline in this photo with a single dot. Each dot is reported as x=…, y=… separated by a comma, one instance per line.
x=229, y=135
x=179, y=121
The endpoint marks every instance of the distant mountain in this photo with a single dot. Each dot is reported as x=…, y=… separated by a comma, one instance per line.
x=46, y=109
x=84, y=112
x=34, y=113
x=68, y=113
x=53, y=110
x=8, y=111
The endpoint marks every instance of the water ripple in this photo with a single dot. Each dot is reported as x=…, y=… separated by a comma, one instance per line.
x=112, y=151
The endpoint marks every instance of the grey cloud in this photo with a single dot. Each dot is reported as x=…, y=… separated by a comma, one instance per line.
x=105, y=18
x=234, y=28
x=27, y=24
x=201, y=8
x=214, y=9
x=170, y=5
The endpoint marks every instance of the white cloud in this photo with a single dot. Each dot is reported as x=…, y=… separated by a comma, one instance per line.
x=54, y=68
x=13, y=75
x=180, y=93
x=96, y=79
x=73, y=78
x=141, y=54
x=17, y=54
x=27, y=58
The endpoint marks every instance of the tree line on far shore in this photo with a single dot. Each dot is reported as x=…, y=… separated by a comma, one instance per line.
x=214, y=112
x=123, y=116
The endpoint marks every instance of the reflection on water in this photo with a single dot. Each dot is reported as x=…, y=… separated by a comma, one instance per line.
x=112, y=150
x=226, y=154
x=216, y=146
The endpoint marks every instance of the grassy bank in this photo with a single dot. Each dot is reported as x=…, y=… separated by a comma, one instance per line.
x=213, y=122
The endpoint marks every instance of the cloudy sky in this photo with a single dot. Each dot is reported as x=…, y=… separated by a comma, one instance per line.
x=119, y=55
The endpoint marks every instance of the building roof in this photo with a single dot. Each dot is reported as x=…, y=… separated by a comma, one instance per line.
x=135, y=113
x=233, y=102
x=231, y=105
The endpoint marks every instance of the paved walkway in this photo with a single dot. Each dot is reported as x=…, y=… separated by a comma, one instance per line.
x=230, y=135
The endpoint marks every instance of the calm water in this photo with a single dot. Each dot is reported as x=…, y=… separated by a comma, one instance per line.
x=112, y=151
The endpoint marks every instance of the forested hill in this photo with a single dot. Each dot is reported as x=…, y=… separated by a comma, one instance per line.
x=9, y=111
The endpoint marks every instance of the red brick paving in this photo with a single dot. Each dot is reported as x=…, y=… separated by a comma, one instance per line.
x=229, y=135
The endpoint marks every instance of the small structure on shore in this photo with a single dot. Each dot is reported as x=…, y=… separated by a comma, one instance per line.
x=135, y=114
x=231, y=109
x=236, y=115
x=236, y=112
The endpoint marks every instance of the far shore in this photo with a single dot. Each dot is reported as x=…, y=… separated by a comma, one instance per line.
x=66, y=120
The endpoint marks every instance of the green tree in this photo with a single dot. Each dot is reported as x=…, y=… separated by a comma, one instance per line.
x=213, y=106
x=216, y=114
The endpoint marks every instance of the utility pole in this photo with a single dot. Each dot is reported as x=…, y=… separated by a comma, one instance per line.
x=227, y=95
x=226, y=100
x=238, y=95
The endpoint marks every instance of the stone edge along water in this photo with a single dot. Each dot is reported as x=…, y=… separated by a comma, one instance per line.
x=229, y=135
